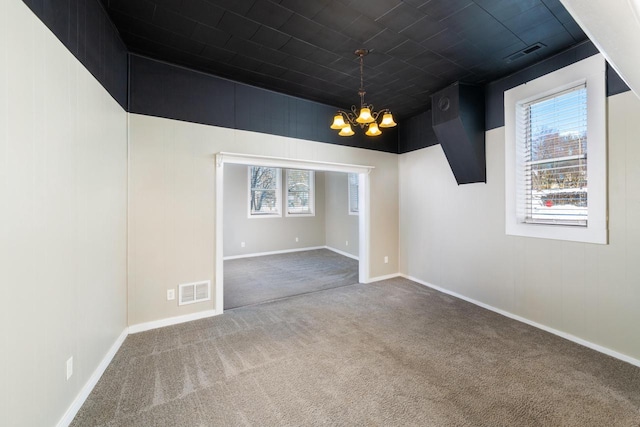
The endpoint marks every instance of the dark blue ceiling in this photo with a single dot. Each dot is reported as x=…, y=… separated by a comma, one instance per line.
x=305, y=48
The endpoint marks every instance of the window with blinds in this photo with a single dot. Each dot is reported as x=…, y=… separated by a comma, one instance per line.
x=264, y=188
x=352, y=179
x=552, y=138
x=300, y=192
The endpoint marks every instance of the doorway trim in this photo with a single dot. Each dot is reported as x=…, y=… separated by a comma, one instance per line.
x=287, y=163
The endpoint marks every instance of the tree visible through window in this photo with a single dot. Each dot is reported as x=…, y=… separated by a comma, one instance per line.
x=555, y=158
x=300, y=198
x=264, y=183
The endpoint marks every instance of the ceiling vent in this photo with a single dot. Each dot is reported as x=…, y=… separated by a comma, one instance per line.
x=524, y=52
x=190, y=293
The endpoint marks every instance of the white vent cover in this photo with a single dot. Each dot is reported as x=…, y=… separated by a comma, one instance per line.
x=188, y=293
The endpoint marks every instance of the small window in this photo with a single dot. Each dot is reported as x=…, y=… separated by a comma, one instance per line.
x=264, y=188
x=300, y=192
x=352, y=179
x=554, y=137
x=555, y=155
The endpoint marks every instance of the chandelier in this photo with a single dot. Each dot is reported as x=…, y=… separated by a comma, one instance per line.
x=343, y=120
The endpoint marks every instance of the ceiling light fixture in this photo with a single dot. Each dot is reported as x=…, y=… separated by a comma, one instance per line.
x=343, y=120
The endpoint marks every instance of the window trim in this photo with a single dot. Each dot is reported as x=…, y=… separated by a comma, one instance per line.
x=312, y=195
x=592, y=71
x=278, y=191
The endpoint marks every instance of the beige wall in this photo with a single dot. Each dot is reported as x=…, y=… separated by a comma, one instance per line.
x=267, y=234
x=454, y=237
x=340, y=226
x=172, y=204
x=63, y=178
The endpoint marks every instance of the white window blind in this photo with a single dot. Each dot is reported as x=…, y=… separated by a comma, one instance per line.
x=300, y=192
x=352, y=179
x=264, y=184
x=552, y=140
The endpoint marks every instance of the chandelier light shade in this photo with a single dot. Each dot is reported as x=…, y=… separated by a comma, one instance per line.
x=346, y=130
x=366, y=116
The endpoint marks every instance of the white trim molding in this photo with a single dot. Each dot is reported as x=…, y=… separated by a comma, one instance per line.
x=285, y=163
x=343, y=253
x=77, y=403
x=385, y=277
x=155, y=324
x=284, y=251
x=567, y=336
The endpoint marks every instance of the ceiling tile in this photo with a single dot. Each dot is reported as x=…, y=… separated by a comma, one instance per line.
x=270, y=38
x=240, y=7
x=362, y=29
x=373, y=8
x=254, y=50
x=173, y=5
x=423, y=29
x=401, y=17
x=237, y=25
x=336, y=16
x=406, y=50
x=439, y=10
x=174, y=22
x=201, y=11
x=217, y=54
x=506, y=9
x=443, y=40
x=139, y=9
x=269, y=14
x=385, y=41
x=530, y=18
x=297, y=48
x=306, y=8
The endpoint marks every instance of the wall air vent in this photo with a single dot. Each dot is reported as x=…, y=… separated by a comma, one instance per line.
x=189, y=293
x=524, y=52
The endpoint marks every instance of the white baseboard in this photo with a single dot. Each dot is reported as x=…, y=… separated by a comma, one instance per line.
x=561, y=334
x=343, y=253
x=285, y=251
x=146, y=326
x=379, y=278
x=77, y=403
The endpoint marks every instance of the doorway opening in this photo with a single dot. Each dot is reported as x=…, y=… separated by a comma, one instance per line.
x=284, y=163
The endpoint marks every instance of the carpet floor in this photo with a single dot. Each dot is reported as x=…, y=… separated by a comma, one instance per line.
x=392, y=353
x=260, y=279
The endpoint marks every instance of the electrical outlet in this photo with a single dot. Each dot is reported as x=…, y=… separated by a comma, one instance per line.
x=297, y=240
x=242, y=244
x=346, y=243
x=171, y=294
x=69, y=367
x=386, y=260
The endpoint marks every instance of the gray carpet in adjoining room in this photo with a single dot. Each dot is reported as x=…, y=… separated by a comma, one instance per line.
x=255, y=280
x=391, y=353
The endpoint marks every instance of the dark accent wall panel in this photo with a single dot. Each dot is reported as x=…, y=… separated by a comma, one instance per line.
x=494, y=92
x=84, y=27
x=615, y=84
x=416, y=132
x=165, y=90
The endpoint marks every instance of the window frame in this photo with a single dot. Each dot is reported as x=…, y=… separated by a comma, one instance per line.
x=591, y=71
x=312, y=195
x=349, y=192
x=277, y=190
